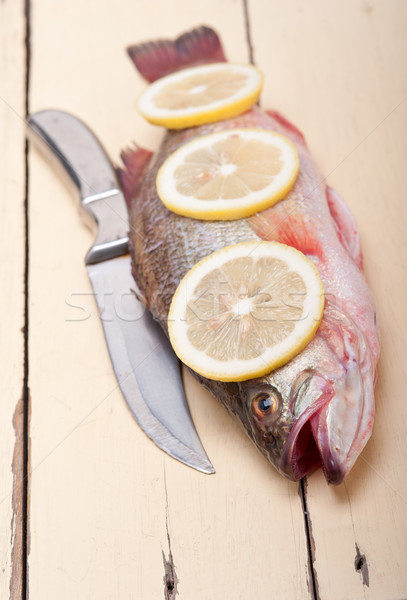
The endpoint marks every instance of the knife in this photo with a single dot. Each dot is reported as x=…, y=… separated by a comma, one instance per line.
x=147, y=369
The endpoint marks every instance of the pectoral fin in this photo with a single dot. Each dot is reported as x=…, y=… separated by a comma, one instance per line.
x=279, y=224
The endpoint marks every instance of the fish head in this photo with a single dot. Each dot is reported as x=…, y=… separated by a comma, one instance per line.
x=318, y=409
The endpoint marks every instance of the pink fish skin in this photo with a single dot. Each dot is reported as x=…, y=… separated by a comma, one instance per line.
x=320, y=405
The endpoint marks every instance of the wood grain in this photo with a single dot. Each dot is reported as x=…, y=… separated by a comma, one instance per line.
x=111, y=514
x=347, y=91
x=12, y=267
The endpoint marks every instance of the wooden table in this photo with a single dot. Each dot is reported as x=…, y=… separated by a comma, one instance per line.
x=89, y=507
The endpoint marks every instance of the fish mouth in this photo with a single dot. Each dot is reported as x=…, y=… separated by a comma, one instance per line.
x=309, y=449
x=332, y=431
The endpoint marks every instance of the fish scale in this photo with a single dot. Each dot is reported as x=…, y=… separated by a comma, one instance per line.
x=313, y=390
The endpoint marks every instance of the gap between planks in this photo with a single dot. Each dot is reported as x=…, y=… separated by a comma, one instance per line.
x=21, y=458
x=250, y=46
x=312, y=574
x=302, y=486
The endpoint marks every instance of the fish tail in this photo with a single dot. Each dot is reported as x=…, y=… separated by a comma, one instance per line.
x=135, y=161
x=162, y=57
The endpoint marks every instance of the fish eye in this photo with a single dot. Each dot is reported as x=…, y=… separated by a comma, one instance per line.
x=264, y=404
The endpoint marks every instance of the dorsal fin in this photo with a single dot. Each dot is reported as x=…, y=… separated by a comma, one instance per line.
x=135, y=162
x=346, y=227
x=162, y=57
x=286, y=124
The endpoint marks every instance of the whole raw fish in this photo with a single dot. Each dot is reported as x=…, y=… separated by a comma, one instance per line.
x=318, y=409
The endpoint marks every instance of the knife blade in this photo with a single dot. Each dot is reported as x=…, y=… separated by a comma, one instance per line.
x=147, y=369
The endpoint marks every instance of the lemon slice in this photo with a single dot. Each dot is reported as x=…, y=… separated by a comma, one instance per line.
x=203, y=94
x=228, y=175
x=245, y=310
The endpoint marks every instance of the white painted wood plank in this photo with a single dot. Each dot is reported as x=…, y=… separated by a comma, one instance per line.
x=104, y=501
x=12, y=243
x=340, y=76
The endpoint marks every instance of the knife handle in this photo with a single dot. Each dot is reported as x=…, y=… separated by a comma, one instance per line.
x=68, y=143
